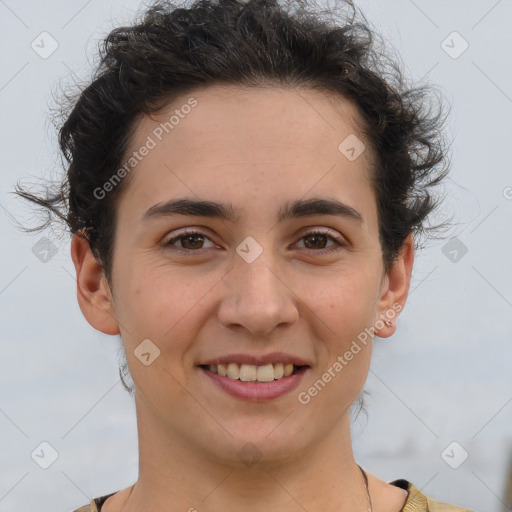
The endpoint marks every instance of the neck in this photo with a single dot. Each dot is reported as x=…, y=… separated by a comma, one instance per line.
x=172, y=473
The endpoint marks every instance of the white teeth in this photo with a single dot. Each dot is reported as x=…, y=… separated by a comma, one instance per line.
x=265, y=373
x=248, y=372
x=288, y=369
x=253, y=373
x=233, y=371
x=278, y=370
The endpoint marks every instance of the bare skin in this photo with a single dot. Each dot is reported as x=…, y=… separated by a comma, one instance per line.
x=197, y=299
x=385, y=497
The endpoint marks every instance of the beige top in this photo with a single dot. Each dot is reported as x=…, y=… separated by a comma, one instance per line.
x=416, y=501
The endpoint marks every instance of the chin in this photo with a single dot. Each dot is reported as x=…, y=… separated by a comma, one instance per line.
x=257, y=448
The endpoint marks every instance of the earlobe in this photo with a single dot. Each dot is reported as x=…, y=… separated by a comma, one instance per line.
x=395, y=289
x=93, y=293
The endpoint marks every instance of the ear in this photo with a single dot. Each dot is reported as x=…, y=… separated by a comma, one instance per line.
x=93, y=293
x=394, y=290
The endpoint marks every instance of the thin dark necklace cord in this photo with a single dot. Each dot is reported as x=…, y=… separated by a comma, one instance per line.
x=370, y=506
x=365, y=478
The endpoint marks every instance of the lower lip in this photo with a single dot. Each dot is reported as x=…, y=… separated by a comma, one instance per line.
x=256, y=391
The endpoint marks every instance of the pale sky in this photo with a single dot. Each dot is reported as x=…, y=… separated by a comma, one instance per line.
x=444, y=377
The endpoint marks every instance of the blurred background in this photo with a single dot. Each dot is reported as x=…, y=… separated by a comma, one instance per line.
x=439, y=404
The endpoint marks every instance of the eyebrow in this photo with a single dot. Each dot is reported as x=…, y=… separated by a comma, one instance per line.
x=212, y=209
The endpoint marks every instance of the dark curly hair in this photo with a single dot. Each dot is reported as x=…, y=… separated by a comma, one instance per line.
x=176, y=48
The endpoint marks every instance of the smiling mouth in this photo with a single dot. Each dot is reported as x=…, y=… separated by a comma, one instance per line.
x=254, y=373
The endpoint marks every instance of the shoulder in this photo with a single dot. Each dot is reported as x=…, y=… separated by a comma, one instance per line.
x=95, y=505
x=418, y=502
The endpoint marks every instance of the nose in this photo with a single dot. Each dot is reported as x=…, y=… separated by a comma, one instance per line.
x=257, y=298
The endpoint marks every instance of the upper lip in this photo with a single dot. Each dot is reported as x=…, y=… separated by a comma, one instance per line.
x=256, y=359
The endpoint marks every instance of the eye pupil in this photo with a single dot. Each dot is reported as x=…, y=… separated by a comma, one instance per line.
x=187, y=239
x=315, y=240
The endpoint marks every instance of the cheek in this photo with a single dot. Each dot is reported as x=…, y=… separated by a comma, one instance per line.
x=345, y=311
x=346, y=303
x=166, y=309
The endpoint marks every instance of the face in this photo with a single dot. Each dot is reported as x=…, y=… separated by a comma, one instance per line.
x=247, y=239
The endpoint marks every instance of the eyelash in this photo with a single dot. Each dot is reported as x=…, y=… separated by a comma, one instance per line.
x=339, y=244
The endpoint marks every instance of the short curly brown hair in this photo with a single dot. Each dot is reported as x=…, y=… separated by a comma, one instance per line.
x=251, y=43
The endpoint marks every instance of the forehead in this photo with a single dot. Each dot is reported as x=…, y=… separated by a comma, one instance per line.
x=241, y=138
x=271, y=115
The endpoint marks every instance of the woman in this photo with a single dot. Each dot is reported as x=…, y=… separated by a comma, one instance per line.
x=246, y=185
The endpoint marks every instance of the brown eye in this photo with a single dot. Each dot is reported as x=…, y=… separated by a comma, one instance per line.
x=192, y=241
x=317, y=241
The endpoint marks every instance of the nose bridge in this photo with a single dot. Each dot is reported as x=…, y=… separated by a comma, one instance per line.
x=253, y=263
x=256, y=296
x=257, y=279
